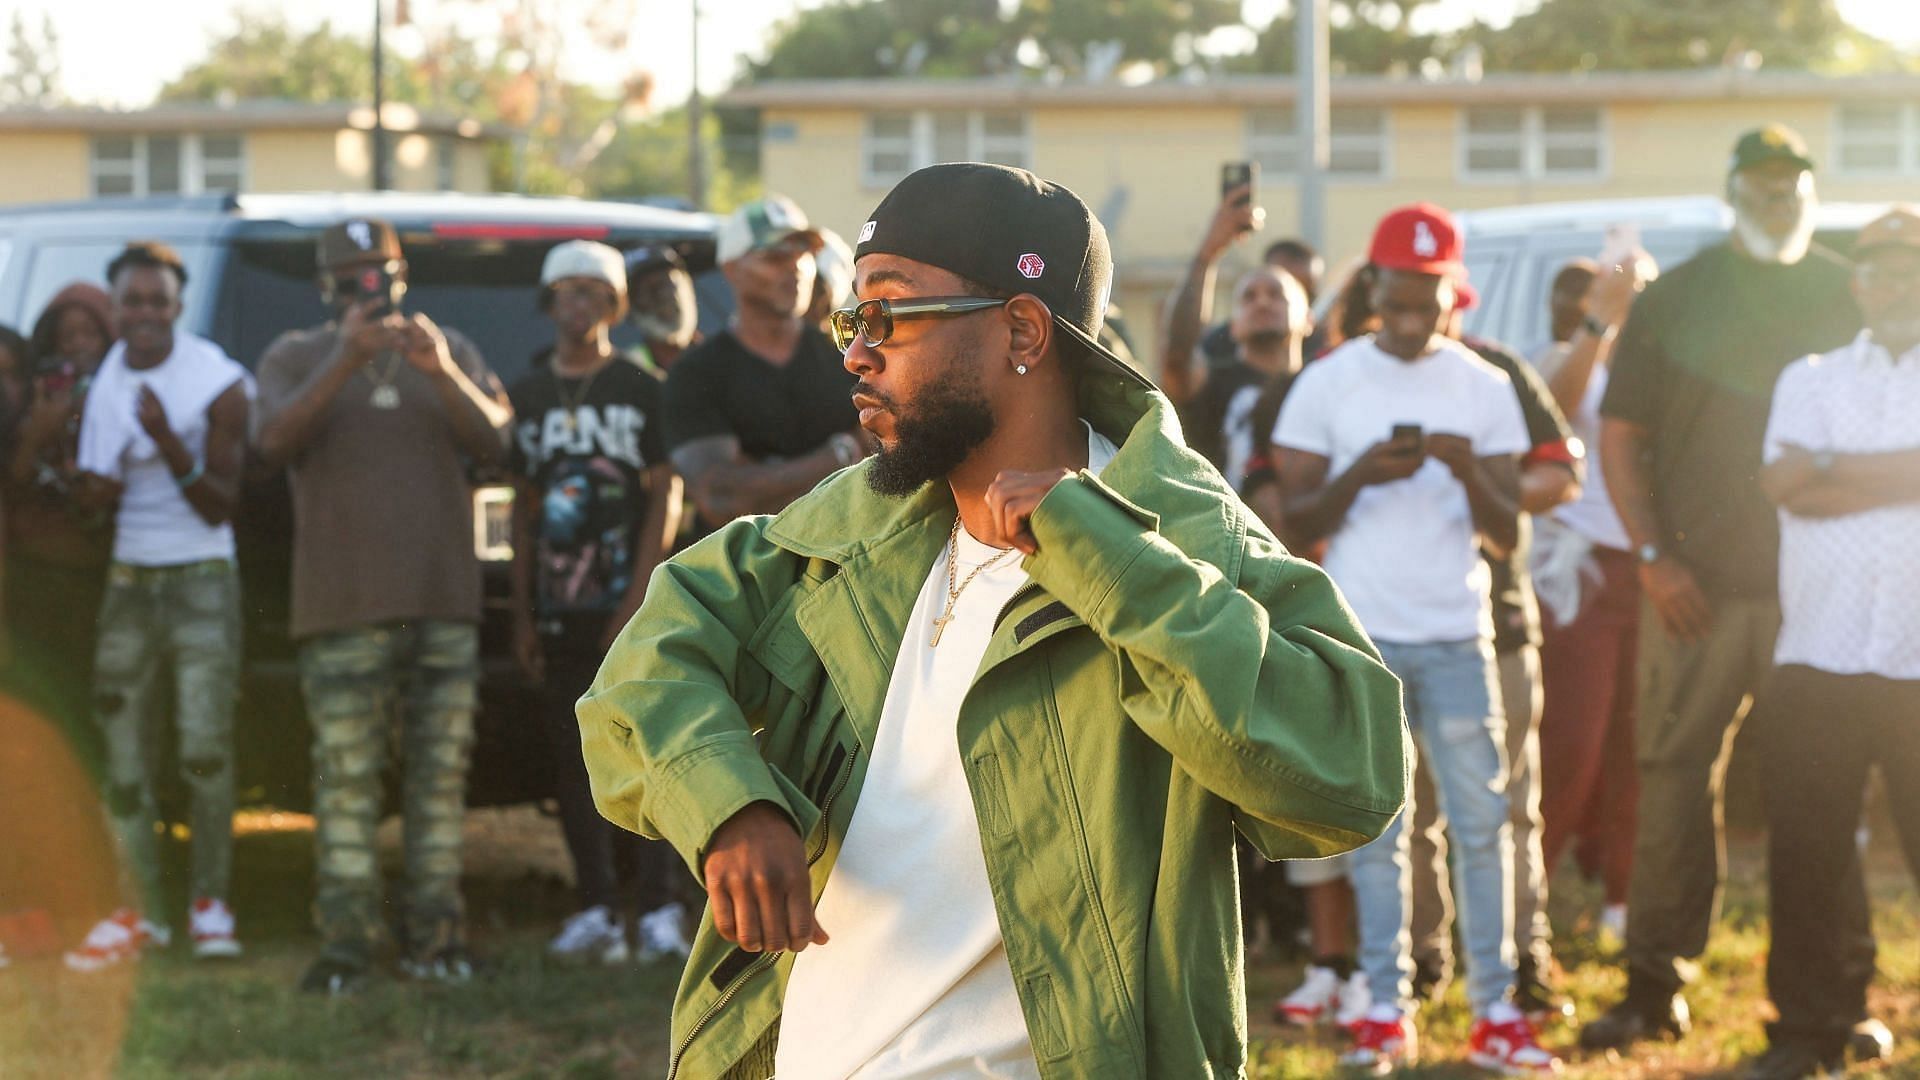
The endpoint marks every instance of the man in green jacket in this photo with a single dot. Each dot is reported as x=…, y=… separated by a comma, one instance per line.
x=991, y=704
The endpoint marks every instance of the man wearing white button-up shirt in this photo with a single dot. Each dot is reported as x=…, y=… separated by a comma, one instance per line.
x=1843, y=466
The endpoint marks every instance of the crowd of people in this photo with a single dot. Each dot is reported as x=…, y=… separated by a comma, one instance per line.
x=127, y=438
x=1580, y=634
x=1580, y=562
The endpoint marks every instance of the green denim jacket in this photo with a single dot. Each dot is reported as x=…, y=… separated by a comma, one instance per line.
x=1169, y=675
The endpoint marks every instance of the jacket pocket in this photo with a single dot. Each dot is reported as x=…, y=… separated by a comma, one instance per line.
x=995, y=818
x=1044, y=1027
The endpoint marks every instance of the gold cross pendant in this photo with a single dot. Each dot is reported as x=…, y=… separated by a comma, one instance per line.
x=939, y=627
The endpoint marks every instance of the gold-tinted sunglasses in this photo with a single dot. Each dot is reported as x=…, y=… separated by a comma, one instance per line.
x=871, y=321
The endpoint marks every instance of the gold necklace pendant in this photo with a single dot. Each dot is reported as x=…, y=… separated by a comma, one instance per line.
x=953, y=575
x=385, y=396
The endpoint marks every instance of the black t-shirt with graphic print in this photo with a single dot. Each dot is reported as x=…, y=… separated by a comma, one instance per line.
x=584, y=446
x=1219, y=420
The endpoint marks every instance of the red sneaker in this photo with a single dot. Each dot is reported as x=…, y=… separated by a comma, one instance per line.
x=1381, y=1045
x=1505, y=1042
x=116, y=938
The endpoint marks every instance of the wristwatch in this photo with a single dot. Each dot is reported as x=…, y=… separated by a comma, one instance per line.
x=1595, y=327
x=846, y=448
x=1648, y=554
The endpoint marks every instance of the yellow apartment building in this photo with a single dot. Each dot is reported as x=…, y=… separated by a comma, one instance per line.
x=1147, y=157
x=188, y=149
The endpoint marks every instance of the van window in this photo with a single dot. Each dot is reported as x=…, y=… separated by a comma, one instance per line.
x=485, y=289
x=56, y=265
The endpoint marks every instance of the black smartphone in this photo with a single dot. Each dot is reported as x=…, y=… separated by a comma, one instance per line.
x=378, y=283
x=1235, y=175
x=1409, y=433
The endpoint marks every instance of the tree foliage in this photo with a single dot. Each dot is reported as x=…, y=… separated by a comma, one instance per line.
x=32, y=74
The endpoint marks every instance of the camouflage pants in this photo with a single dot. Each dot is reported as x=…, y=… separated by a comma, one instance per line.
x=188, y=618
x=357, y=683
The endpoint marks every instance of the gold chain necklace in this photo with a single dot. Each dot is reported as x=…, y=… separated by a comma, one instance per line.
x=953, y=576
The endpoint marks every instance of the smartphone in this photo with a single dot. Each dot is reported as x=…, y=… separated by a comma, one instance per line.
x=379, y=283
x=1409, y=433
x=1241, y=174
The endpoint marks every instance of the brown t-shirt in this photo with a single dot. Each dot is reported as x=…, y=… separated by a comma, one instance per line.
x=382, y=506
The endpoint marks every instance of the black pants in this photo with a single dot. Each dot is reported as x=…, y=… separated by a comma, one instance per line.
x=603, y=853
x=1819, y=736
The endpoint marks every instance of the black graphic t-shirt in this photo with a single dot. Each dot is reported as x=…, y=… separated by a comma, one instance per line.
x=584, y=445
x=1219, y=421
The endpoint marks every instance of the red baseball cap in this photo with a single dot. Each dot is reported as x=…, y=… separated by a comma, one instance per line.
x=1421, y=238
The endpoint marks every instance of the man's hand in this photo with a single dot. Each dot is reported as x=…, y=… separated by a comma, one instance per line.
x=1011, y=501
x=1453, y=451
x=757, y=883
x=1676, y=597
x=153, y=416
x=364, y=336
x=96, y=492
x=1388, y=460
x=1614, y=288
x=1235, y=218
x=425, y=346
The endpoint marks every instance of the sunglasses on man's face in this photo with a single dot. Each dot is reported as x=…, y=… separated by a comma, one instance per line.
x=871, y=321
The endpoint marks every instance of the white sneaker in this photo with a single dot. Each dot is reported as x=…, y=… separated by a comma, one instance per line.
x=211, y=926
x=662, y=934
x=1613, y=923
x=1314, y=1000
x=594, y=934
x=1356, y=999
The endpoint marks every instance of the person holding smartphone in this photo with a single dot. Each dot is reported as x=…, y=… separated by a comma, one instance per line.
x=1405, y=441
x=375, y=415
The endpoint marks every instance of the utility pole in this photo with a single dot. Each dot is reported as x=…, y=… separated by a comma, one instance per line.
x=382, y=180
x=1311, y=59
x=696, y=149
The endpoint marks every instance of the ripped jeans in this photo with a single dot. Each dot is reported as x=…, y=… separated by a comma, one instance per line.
x=358, y=683
x=186, y=618
x=1454, y=709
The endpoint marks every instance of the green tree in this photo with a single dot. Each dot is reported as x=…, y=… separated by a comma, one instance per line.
x=32, y=76
x=1161, y=33
x=264, y=58
x=869, y=39
x=1568, y=35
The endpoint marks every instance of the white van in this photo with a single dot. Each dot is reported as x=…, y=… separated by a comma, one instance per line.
x=1513, y=253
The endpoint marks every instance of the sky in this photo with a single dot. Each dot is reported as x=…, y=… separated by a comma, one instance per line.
x=118, y=52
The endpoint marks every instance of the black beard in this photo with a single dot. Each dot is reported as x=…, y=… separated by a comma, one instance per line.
x=948, y=422
x=1265, y=339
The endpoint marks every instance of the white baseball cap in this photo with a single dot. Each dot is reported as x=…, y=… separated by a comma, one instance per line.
x=586, y=259
x=762, y=224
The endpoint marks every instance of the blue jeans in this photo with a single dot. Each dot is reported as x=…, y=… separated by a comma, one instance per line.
x=1459, y=728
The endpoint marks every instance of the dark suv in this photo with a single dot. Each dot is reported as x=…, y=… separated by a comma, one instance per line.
x=474, y=264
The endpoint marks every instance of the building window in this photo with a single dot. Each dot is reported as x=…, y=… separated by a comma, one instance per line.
x=445, y=158
x=168, y=164
x=897, y=143
x=1878, y=139
x=1357, y=142
x=1512, y=142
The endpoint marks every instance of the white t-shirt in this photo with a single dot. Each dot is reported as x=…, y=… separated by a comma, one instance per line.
x=915, y=982
x=1591, y=515
x=1406, y=556
x=155, y=525
x=1850, y=585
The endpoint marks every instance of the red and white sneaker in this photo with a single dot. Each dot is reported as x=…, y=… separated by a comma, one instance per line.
x=1383, y=1040
x=211, y=924
x=1505, y=1042
x=118, y=937
x=1314, y=1000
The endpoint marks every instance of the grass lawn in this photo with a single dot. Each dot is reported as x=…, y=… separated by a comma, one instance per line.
x=530, y=1018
